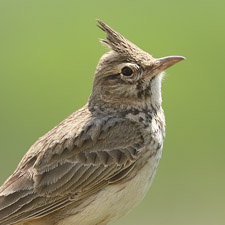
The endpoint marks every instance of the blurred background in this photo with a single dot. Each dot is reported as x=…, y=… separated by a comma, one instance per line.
x=48, y=53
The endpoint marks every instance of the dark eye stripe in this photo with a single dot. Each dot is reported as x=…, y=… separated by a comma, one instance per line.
x=113, y=76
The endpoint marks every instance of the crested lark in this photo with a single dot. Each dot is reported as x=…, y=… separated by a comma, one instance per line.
x=98, y=163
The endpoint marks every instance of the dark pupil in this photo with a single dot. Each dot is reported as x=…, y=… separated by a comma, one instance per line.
x=127, y=71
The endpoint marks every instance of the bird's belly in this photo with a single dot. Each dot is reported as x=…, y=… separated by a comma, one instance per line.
x=115, y=200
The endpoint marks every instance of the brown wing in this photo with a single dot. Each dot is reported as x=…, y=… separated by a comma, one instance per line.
x=70, y=168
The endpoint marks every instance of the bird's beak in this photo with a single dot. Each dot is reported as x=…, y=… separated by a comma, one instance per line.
x=166, y=62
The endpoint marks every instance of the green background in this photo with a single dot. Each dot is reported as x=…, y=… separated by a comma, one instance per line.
x=48, y=53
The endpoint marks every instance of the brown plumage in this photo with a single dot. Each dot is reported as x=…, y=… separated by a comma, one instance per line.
x=80, y=170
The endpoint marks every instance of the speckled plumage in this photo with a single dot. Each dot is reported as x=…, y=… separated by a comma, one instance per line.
x=99, y=162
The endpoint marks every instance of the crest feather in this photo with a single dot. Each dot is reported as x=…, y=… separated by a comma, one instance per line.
x=113, y=39
x=116, y=42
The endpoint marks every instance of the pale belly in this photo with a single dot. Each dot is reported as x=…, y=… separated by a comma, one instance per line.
x=116, y=200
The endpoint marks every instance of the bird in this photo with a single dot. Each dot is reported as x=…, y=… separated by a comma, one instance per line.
x=98, y=163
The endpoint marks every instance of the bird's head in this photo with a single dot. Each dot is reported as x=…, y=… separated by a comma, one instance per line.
x=127, y=76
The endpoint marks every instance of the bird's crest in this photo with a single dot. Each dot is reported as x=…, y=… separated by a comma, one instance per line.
x=116, y=42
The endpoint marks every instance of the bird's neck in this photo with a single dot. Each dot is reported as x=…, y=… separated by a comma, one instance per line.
x=103, y=108
x=149, y=99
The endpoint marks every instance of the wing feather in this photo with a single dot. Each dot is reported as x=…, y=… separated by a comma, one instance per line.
x=70, y=163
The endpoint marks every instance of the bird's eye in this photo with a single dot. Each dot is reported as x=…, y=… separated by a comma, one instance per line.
x=127, y=71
